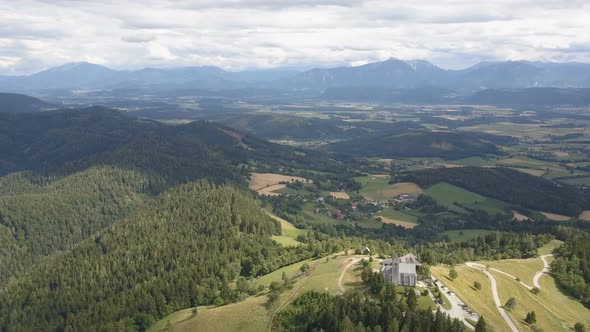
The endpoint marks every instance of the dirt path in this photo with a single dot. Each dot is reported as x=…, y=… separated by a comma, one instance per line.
x=545, y=270
x=495, y=295
x=504, y=273
x=340, y=285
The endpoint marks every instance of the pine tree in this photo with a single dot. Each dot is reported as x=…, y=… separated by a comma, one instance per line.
x=481, y=325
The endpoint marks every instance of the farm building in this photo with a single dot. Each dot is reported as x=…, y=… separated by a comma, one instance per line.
x=338, y=214
x=401, y=271
x=407, y=197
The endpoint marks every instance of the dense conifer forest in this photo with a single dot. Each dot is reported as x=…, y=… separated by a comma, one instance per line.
x=181, y=250
x=393, y=312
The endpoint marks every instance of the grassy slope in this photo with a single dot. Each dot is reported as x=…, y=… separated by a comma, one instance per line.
x=290, y=232
x=465, y=234
x=447, y=194
x=252, y=314
x=398, y=215
x=479, y=301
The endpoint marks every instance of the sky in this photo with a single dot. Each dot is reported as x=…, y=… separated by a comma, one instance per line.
x=248, y=34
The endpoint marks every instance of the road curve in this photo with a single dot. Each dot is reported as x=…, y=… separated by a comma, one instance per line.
x=545, y=270
x=495, y=295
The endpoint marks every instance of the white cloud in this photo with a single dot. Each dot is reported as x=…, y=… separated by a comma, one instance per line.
x=238, y=34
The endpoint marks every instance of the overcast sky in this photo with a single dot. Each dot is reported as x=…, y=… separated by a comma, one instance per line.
x=242, y=34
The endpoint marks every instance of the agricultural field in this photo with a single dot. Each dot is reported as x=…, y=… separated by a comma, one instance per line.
x=267, y=183
x=377, y=188
x=447, y=195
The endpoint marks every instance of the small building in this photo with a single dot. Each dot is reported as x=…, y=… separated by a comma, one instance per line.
x=407, y=197
x=367, y=251
x=338, y=214
x=353, y=206
x=401, y=271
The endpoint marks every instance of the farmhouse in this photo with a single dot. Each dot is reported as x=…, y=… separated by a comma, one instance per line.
x=401, y=271
x=338, y=214
x=407, y=197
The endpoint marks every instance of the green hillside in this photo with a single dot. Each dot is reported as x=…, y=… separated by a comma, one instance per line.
x=450, y=196
x=446, y=145
x=509, y=186
x=181, y=250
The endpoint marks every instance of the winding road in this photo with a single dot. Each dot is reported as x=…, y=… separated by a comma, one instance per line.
x=545, y=270
x=496, y=297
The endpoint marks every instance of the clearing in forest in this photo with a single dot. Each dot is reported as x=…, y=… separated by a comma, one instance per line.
x=404, y=224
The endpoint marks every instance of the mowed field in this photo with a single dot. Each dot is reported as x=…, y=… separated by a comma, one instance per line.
x=267, y=183
x=339, y=195
x=555, y=217
x=395, y=217
x=377, y=188
x=447, y=195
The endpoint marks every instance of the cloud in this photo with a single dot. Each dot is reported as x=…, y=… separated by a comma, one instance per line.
x=138, y=38
x=241, y=34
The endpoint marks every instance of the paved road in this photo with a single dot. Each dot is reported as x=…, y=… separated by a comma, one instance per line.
x=456, y=311
x=495, y=295
x=545, y=270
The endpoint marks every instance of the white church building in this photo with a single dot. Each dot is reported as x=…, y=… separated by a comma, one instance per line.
x=401, y=271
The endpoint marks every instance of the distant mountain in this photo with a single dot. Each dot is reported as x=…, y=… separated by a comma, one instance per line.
x=397, y=74
x=389, y=74
x=83, y=75
x=17, y=103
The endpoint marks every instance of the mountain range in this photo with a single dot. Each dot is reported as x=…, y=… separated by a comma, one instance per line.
x=392, y=74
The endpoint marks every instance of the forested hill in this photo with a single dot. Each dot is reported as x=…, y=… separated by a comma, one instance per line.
x=181, y=250
x=447, y=145
x=66, y=141
x=510, y=186
x=73, y=173
x=17, y=103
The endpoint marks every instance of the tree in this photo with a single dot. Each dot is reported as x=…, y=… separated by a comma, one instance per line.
x=579, y=327
x=536, y=290
x=531, y=318
x=285, y=277
x=453, y=274
x=477, y=285
x=510, y=304
x=304, y=267
x=481, y=325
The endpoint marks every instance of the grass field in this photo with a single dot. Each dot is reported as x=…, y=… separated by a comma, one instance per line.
x=378, y=189
x=447, y=194
x=549, y=247
x=339, y=195
x=249, y=315
x=398, y=215
x=578, y=181
x=479, y=301
x=554, y=310
x=404, y=224
x=465, y=234
x=290, y=232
